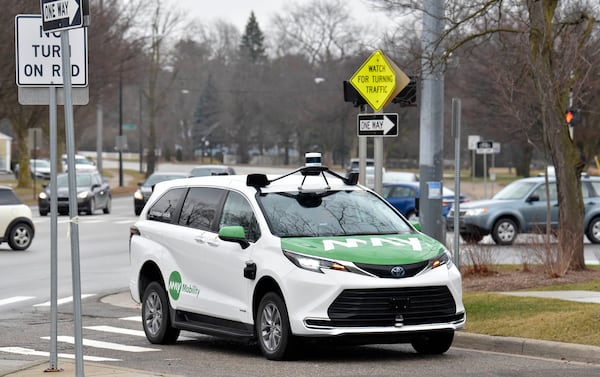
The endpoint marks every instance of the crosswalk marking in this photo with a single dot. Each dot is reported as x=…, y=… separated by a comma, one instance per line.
x=14, y=299
x=135, y=318
x=30, y=352
x=116, y=330
x=101, y=344
x=64, y=300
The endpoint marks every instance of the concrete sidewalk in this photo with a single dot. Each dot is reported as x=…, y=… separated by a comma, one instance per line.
x=462, y=339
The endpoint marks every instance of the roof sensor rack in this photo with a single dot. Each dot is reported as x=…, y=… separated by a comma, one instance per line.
x=312, y=168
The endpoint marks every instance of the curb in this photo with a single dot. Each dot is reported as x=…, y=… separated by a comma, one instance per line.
x=528, y=347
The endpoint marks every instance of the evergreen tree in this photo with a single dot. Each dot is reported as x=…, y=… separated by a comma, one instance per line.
x=252, y=47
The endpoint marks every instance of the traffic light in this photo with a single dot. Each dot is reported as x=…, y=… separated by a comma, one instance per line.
x=572, y=117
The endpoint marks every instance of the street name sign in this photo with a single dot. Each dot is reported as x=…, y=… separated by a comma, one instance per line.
x=61, y=14
x=379, y=80
x=378, y=124
x=38, y=54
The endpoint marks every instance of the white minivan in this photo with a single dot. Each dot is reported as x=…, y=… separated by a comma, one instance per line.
x=282, y=259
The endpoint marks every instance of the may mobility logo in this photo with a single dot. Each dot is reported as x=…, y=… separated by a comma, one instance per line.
x=177, y=287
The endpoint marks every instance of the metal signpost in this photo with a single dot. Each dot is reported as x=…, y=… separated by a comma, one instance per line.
x=41, y=68
x=485, y=147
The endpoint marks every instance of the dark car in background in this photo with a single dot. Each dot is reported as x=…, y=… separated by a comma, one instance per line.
x=522, y=207
x=403, y=195
x=38, y=169
x=207, y=170
x=141, y=195
x=93, y=193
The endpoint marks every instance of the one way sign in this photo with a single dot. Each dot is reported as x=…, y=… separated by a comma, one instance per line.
x=378, y=124
x=61, y=14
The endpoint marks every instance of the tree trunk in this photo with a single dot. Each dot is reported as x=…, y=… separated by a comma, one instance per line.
x=568, y=166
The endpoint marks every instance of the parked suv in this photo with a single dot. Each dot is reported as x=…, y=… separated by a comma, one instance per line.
x=309, y=254
x=521, y=207
x=16, y=226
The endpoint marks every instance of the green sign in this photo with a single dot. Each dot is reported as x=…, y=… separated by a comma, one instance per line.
x=129, y=127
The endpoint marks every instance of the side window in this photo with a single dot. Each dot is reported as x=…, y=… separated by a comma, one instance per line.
x=200, y=208
x=8, y=197
x=164, y=208
x=594, y=190
x=237, y=211
x=541, y=192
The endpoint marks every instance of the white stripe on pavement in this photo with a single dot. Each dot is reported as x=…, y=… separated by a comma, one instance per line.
x=105, y=345
x=65, y=300
x=12, y=300
x=136, y=318
x=30, y=352
x=116, y=330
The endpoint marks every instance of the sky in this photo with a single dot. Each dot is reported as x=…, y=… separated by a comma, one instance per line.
x=238, y=11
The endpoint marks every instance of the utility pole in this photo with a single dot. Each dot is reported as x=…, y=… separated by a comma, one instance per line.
x=431, y=156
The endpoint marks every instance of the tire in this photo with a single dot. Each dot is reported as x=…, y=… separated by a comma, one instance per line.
x=91, y=207
x=156, y=318
x=433, y=343
x=471, y=238
x=593, y=230
x=106, y=210
x=20, y=236
x=272, y=326
x=505, y=231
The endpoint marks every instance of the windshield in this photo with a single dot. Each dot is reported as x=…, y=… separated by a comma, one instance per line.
x=81, y=180
x=515, y=190
x=335, y=213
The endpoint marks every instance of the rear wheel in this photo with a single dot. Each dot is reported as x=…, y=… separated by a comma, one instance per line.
x=156, y=318
x=433, y=343
x=504, y=231
x=20, y=236
x=273, y=330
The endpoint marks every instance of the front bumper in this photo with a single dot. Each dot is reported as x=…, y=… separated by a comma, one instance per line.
x=374, y=306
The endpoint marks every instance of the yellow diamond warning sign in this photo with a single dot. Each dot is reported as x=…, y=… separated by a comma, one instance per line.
x=379, y=80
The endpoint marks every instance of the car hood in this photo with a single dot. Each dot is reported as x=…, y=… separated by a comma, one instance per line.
x=485, y=203
x=375, y=249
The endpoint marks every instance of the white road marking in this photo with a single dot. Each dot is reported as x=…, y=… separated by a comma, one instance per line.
x=135, y=318
x=105, y=345
x=14, y=299
x=116, y=330
x=30, y=352
x=65, y=300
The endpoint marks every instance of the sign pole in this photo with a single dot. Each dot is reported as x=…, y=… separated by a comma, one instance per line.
x=73, y=210
x=53, y=233
x=362, y=153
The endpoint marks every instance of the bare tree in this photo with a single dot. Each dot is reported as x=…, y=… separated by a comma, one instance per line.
x=556, y=33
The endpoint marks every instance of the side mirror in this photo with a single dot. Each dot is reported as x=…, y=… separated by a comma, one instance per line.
x=533, y=198
x=234, y=233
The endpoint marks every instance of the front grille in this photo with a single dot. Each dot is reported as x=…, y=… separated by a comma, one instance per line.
x=385, y=271
x=392, y=307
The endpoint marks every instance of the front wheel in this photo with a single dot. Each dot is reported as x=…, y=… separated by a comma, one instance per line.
x=433, y=343
x=593, y=230
x=504, y=232
x=20, y=236
x=273, y=330
x=156, y=319
x=106, y=210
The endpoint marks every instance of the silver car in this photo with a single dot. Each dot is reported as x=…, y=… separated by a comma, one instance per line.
x=521, y=207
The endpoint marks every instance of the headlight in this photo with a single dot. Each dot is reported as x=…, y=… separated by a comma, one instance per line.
x=83, y=194
x=138, y=195
x=43, y=196
x=317, y=264
x=475, y=211
x=444, y=259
